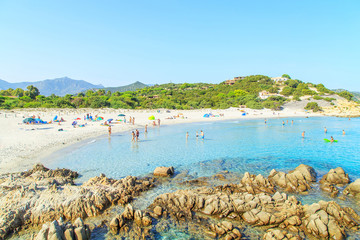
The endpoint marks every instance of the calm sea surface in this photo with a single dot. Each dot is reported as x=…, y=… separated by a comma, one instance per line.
x=238, y=146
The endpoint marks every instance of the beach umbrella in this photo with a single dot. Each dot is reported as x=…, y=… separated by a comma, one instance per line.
x=121, y=115
x=55, y=118
x=100, y=118
x=109, y=120
x=152, y=117
x=206, y=115
x=244, y=114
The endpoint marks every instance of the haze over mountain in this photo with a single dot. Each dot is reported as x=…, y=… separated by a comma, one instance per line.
x=131, y=87
x=57, y=86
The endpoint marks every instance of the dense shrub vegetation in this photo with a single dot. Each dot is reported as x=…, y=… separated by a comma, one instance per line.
x=313, y=106
x=170, y=96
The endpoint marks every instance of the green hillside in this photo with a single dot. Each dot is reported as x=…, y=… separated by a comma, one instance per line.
x=254, y=92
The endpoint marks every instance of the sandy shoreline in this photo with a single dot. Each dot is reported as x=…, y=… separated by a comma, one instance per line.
x=22, y=145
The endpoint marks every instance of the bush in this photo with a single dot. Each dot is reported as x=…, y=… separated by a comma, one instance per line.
x=313, y=106
x=316, y=97
x=254, y=105
x=346, y=95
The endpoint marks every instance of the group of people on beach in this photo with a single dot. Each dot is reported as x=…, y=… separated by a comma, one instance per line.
x=202, y=135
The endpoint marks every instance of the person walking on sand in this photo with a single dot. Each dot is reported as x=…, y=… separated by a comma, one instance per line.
x=133, y=136
x=303, y=134
x=130, y=120
x=133, y=121
x=202, y=134
x=145, y=128
x=109, y=130
x=137, y=135
x=325, y=130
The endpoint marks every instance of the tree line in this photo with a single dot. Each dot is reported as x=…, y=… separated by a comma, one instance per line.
x=173, y=96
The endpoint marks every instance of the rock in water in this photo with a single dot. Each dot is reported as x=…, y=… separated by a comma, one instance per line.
x=353, y=189
x=163, y=171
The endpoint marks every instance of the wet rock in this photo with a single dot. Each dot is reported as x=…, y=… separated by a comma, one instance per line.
x=132, y=223
x=163, y=171
x=297, y=180
x=353, y=189
x=58, y=230
x=335, y=177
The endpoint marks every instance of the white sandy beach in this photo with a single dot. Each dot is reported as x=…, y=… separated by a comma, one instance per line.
x=23, y=145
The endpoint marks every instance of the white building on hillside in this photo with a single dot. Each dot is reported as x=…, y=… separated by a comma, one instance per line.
x=279, y=79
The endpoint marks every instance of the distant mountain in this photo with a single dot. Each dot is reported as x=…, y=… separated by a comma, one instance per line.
x=131, y=87
x=356, y=94
x=57, y=86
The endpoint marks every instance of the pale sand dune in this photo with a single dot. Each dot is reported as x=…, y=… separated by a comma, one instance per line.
x=22, y=145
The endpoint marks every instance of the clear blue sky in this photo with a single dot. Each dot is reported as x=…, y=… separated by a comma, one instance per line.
x=118, y=42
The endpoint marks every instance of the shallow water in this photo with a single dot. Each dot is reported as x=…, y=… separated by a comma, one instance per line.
x=244, y=145
x=237, y=146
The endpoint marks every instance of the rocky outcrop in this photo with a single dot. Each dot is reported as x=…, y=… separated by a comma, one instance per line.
x=42, y=195
x=257, y=184
x=297, y=180
x=163, y=171
x=277, y=234
x=353, y=189
x=328, y=220
x=335, y=177
x=133, y=224
x=67, y=231
x=321, y=220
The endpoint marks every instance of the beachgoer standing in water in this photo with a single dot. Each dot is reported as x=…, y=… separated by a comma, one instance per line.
x=265, y=121
x=137, y=135
x=292, y=121
x=109, y=130
x=202, y=134
x=187, y=135
x=325, y=130
x=343, y=132
x=303, y=134
x=145, y=128
x=197, y=135
x=159, y=122
x=133, y=136
x=331, y=139
x=283, y=123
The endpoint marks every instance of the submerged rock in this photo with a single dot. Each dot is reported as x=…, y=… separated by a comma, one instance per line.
x=67, y=231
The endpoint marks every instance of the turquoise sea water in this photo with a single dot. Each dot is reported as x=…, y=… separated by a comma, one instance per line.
x=238, y=146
